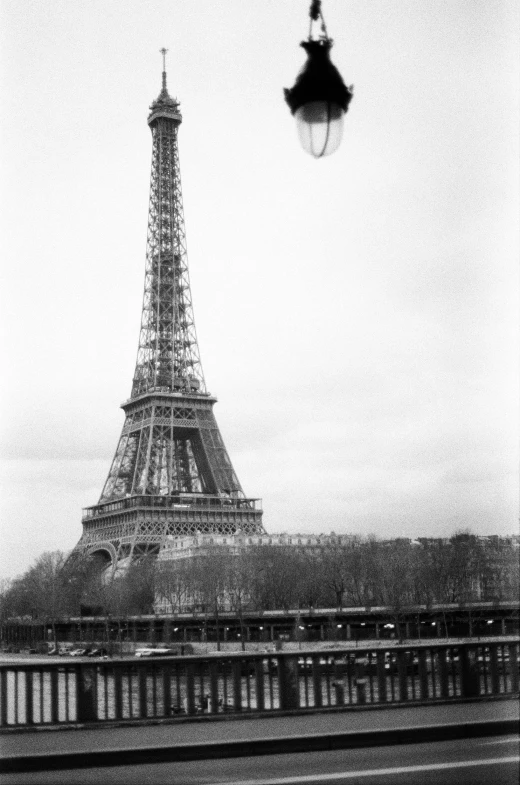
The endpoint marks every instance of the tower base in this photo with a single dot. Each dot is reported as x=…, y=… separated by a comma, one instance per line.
x=137, y=525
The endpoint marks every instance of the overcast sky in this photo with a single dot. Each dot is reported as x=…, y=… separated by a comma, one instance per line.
x=356, y=315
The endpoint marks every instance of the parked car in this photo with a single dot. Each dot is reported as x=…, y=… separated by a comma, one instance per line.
x=79, y=652
x=98, y=653
x=155, y=651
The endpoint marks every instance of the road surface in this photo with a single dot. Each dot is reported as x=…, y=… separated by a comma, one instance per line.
x=473, y=761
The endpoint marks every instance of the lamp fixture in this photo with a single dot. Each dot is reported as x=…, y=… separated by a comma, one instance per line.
x=319, y=98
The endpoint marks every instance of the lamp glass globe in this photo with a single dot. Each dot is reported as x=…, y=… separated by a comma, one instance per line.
x=320, y=127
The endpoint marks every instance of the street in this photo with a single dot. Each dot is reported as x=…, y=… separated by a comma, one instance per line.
x=472, y=761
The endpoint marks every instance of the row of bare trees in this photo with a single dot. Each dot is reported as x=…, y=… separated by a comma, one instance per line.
x=362, y=572
x=59, y=586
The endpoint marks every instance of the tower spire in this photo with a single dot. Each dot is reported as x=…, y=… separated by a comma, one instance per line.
x=164, y=104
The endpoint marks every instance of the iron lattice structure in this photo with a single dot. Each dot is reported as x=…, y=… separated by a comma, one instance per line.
x=171, y=474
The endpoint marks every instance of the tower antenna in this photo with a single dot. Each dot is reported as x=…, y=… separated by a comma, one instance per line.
x=163, y=51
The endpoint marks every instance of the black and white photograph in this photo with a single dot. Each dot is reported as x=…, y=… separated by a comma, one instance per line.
x=259, y=408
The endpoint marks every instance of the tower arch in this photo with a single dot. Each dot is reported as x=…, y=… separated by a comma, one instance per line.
x=104, y=551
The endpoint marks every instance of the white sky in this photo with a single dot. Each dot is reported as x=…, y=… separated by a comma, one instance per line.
x=357, y=315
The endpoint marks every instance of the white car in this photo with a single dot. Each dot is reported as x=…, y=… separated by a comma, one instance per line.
x=154, y=652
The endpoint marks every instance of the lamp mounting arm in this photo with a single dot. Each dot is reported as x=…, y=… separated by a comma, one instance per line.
x=315, y=13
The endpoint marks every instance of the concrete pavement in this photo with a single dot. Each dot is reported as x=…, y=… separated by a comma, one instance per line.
x=234, y=737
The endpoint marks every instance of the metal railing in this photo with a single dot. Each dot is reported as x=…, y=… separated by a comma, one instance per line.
x=72, y=691
x=196, y=501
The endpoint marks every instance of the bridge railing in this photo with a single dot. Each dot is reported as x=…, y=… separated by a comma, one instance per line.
x=82, y=691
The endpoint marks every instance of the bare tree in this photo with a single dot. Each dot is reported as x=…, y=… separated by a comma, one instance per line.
x=240, y=585
x=209, y=573
x=172, y=584
x=334, y=570
x=394, y=576
x=465, y=567
x=280, y=573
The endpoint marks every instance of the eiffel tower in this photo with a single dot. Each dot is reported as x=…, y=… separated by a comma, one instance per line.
x=171, y=474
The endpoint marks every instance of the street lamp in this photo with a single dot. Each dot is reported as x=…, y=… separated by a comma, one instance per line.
x=319, y=98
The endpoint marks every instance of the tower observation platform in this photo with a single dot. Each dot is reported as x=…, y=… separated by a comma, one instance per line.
x=171, y=473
